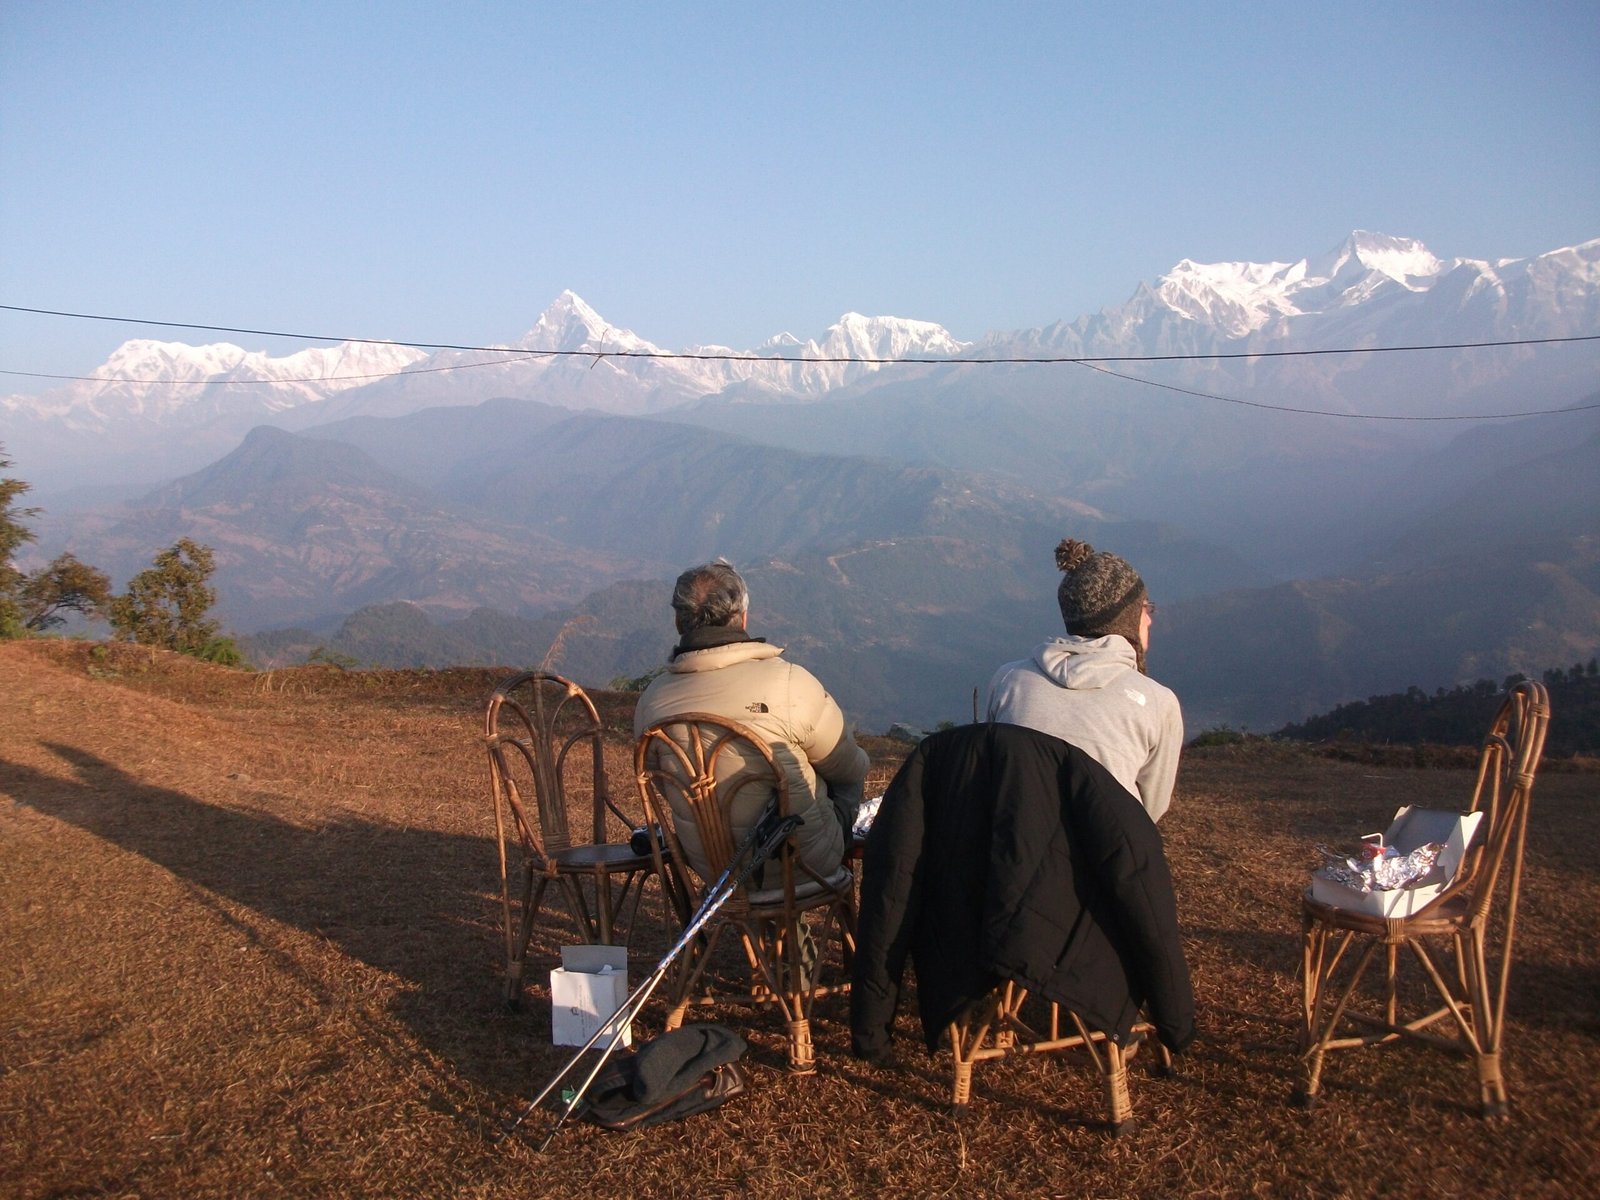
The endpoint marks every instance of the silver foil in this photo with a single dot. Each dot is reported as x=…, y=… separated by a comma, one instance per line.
x=1382, y=873
x=865, y=815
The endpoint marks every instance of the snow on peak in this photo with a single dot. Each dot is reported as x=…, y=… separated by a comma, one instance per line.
x=146, y=359
x=570, y=324
x=1240, y=297
x=856, y=336
x=156, y=380
x=1401, y=259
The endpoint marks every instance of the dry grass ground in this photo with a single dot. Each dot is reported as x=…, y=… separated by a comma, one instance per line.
x=249, y=947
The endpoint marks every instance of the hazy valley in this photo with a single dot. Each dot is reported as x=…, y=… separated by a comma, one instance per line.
x=897, y=521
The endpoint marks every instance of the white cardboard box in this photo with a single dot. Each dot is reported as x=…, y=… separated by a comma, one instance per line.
x=1412, y=827
x=585, y=990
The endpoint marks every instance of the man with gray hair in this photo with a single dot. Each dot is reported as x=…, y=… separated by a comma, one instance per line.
x=718, y=668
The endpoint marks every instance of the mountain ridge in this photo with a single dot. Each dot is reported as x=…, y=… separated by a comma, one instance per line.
x=1369, y=291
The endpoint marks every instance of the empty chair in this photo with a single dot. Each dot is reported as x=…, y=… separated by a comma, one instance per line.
x=706, y=781
x=1459, y=945
x=541, y=731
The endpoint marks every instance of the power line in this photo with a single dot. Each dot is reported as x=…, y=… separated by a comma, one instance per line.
x=1093, y=362
x=1328, y=412
x=738, y=356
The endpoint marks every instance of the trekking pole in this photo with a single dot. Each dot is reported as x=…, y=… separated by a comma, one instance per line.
x=762, y=842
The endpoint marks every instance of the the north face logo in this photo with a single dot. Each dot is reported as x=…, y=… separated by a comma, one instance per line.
x=757, y=707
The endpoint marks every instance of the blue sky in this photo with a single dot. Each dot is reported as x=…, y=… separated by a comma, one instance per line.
x=721, y=172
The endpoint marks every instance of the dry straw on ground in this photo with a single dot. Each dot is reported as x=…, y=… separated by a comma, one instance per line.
x=248, y=931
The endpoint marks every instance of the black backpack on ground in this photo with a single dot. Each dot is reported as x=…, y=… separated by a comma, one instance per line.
x=675, y=1075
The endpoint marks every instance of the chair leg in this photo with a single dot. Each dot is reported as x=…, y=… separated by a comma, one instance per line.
x=1322, y=1019
x=1119, y=1106
x=961, y=1082
x=847, y=935
x=1313, y=945
x=1492, y=1098
x=1166, y=1070
x=1112, y=1064
x=1492, y=1087
x=517, y=944
x=1307, y=1091
x=967, y=1036
x=602, y=901
x=802, y=1057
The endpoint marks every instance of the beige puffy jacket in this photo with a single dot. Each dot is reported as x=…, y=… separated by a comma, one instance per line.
x=749, y=682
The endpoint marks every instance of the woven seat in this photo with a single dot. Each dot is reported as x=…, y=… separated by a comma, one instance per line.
x=1460, y=944
x=537, y=727
x=695, y=770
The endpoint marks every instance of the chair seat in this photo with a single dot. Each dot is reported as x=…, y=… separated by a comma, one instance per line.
x=807, y=894
x=612, y=856
x=1440, y=917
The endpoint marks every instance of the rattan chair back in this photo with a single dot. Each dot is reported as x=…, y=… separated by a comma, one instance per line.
x=546, y=760
x=705, y=781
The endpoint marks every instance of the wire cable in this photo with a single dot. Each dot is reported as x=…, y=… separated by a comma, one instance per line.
x=1093, y=362
x=1328, y=412
x=745, y=356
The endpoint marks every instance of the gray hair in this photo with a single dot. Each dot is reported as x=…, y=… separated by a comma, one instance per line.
x=708, y=595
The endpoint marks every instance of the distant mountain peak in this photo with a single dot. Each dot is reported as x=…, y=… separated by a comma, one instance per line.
x=570, y=324
x=1242, y=297
x=859, y=336
x=1401, y=259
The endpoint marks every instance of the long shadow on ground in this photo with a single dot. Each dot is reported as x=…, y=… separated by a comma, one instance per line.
x=416, y=903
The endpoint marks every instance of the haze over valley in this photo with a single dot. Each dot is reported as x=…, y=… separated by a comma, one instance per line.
x=1309, y=526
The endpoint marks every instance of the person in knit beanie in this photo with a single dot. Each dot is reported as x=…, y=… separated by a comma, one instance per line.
x=1100, y=594
x=1090, y=687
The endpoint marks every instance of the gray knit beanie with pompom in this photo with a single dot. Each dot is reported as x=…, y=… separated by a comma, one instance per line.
x=1099, y=594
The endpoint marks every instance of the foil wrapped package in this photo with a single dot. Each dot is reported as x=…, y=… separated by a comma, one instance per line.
x=1384, y=871
x=865, y=815
x=1402, y=870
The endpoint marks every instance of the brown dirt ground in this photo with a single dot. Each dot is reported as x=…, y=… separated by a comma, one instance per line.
x=248, y=927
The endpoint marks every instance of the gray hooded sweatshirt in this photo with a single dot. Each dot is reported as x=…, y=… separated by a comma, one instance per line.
x=1089, y=692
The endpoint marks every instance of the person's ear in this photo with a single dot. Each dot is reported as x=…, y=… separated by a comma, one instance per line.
x=744, y=620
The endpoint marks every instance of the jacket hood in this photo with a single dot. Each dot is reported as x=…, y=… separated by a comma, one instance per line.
x=1086, y=664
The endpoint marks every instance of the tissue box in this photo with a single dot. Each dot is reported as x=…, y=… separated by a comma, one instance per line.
x=1412, y=827
x=585, y=990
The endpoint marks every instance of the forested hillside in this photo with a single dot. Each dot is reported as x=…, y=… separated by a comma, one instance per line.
x=1458, y=716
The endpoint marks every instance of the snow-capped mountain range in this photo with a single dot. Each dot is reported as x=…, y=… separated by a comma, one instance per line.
x=1372, y=290
x=1368, y=287
x=157, y=380
x=574, y=357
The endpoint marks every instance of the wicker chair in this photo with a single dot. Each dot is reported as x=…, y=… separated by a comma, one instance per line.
x=995, y=1027
x=1471, y=922
x=693, y=771
x=533, y=724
